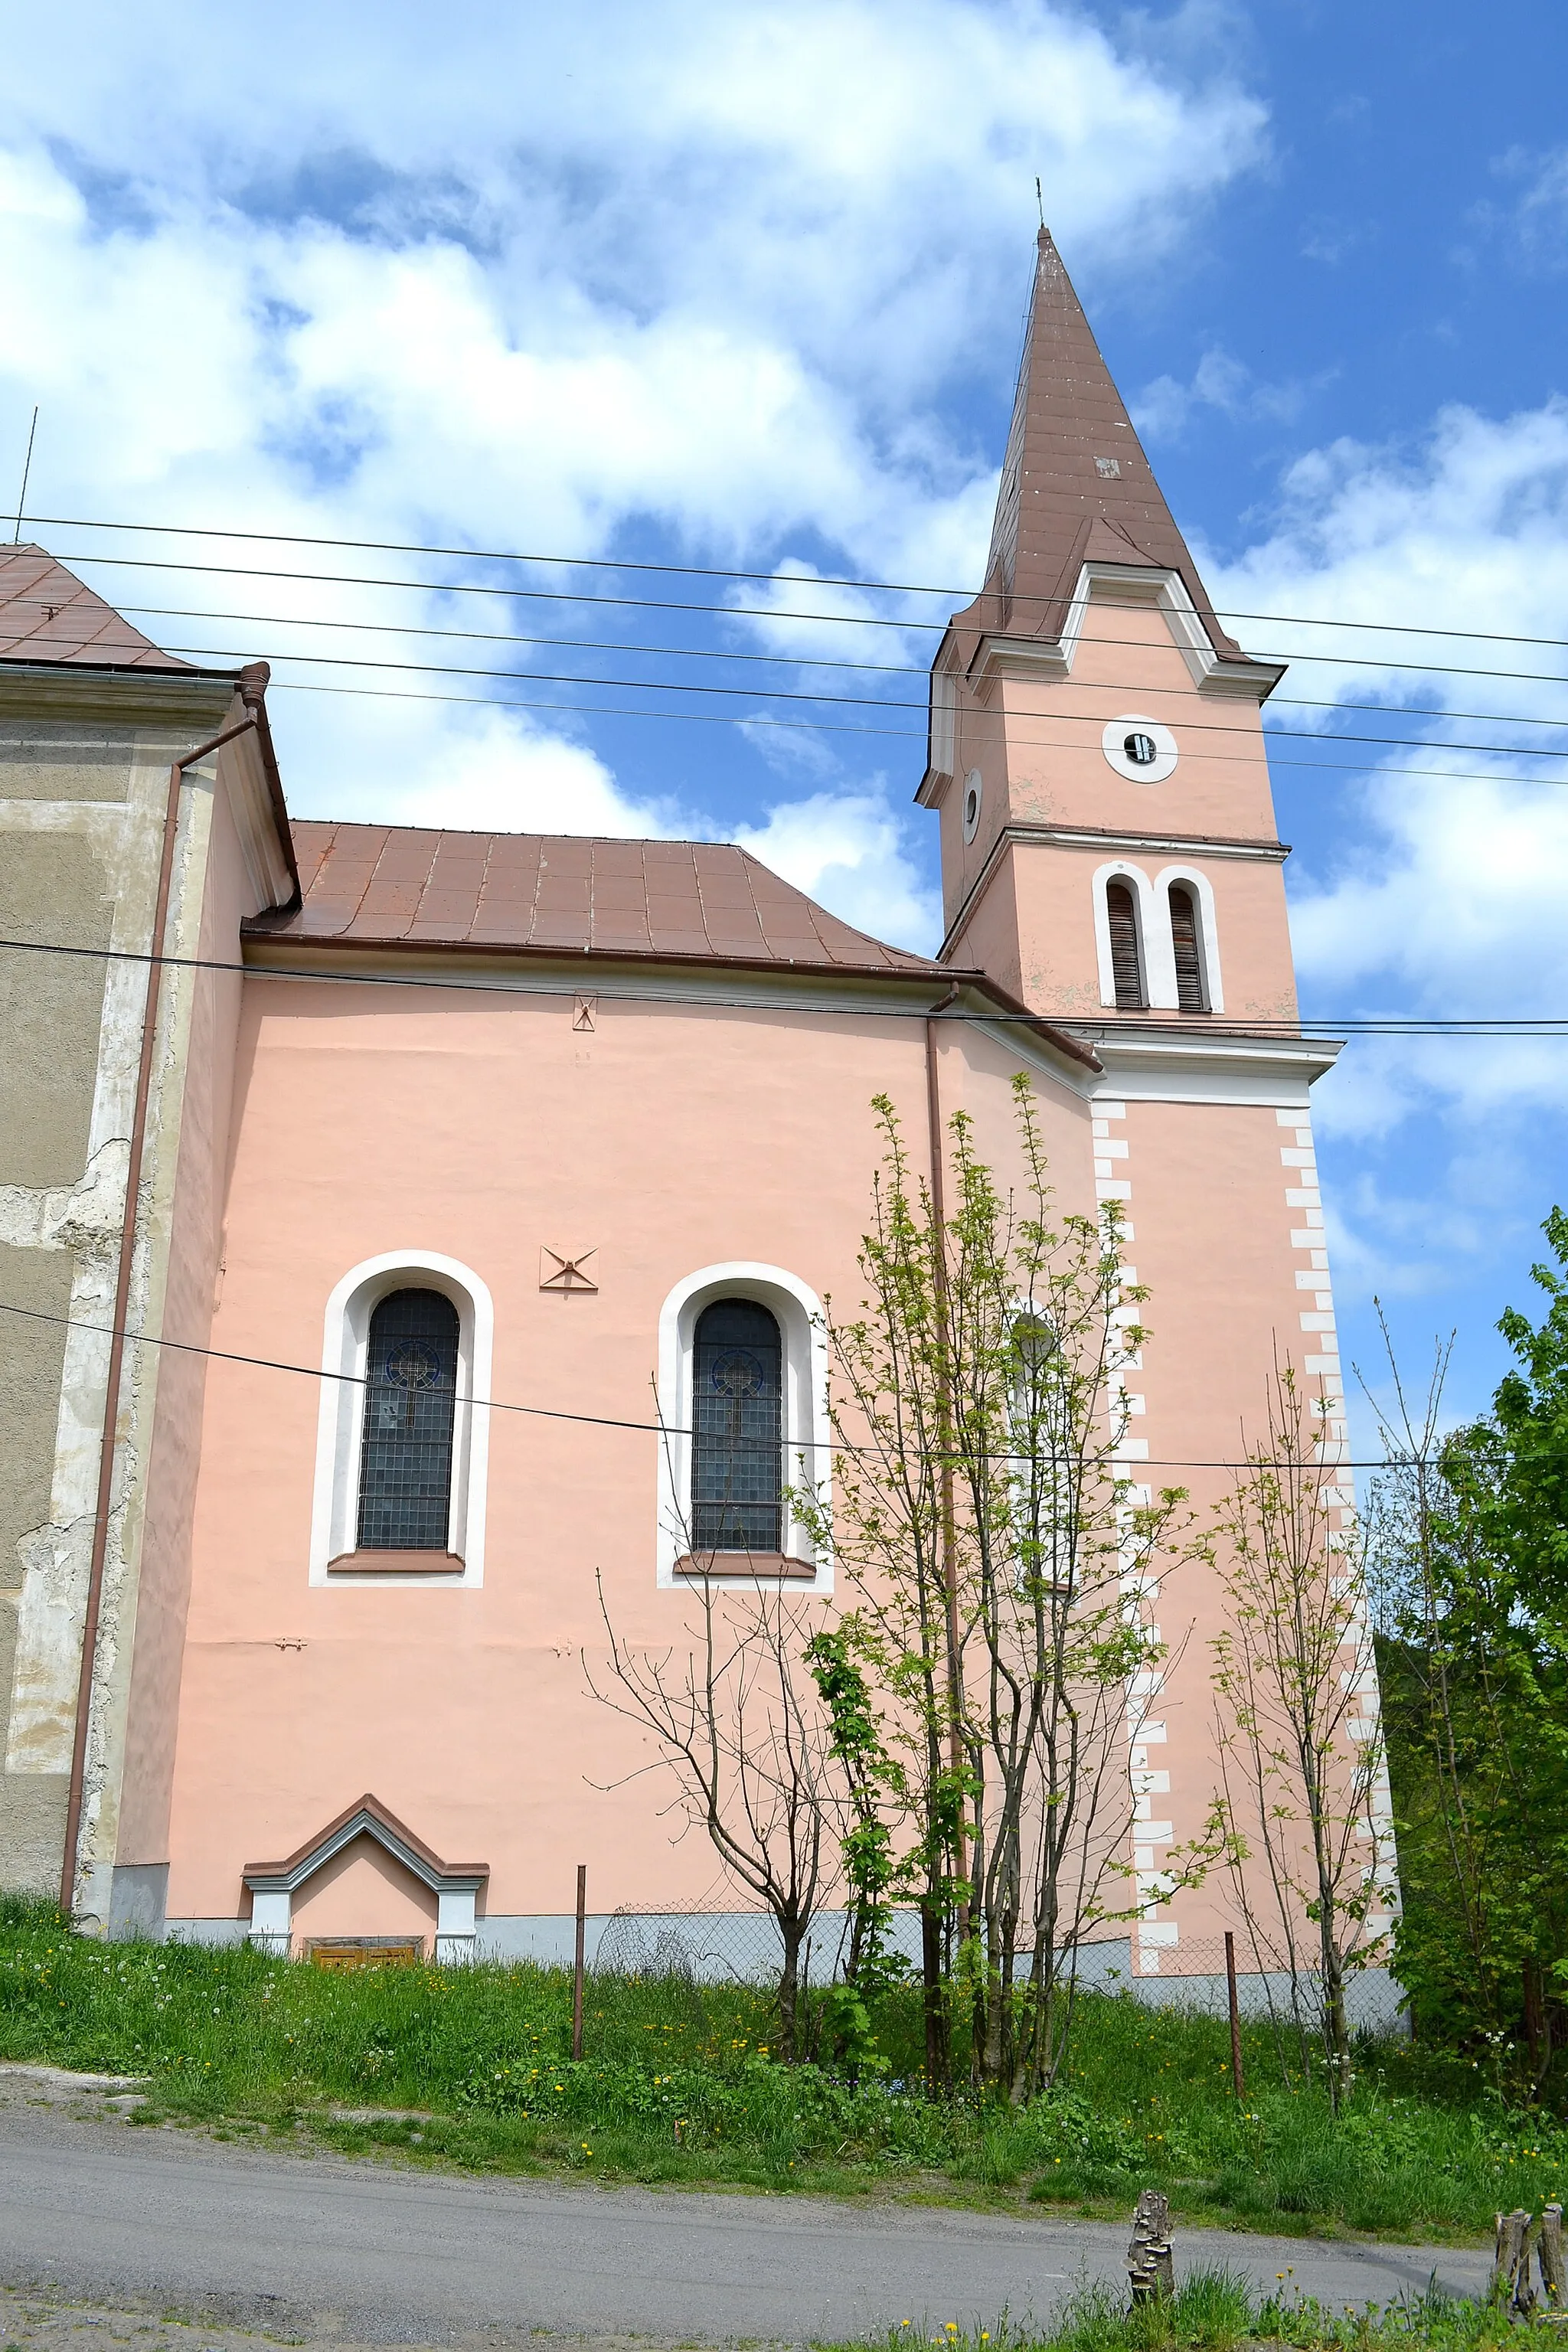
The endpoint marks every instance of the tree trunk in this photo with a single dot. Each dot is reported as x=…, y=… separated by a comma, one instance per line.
x=936, y=2018
x=791, y=1932
x=1536, y=2024
x=1336, y=2028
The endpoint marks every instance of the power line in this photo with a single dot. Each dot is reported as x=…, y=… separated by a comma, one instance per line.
x=827, y=727
x=778, y=614
x=847, y=701
x=1481, y=1025
x=864, y=701
x=784, y=661
x=719, y=571
x=1121, y=1466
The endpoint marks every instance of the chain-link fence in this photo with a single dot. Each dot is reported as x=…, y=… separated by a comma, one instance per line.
x=745, y=1947
x=1190, y=1975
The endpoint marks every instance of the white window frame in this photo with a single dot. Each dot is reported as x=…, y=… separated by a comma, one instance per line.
x=339, y=1428
x=1202, y=889
x=1156, y=953
x=798, y=1313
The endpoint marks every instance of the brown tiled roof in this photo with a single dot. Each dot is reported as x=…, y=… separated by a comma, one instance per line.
x=47, y=615
x=1075, y=482
x=377, y=885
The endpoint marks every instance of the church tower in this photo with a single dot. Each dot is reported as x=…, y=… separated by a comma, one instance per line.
x=1109, y=855
x=1107, y=838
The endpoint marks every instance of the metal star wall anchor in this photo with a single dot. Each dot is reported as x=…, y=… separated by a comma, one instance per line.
x=569, y=1275
x=1150, y=2265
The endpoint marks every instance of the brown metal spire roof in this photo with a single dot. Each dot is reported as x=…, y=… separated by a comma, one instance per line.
x=47, y=615
x=1076, y=484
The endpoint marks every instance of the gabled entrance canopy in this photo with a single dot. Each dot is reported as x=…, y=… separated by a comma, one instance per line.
x=455, y=1885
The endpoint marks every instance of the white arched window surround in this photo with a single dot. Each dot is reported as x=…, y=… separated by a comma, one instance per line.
x=1202, y=889
x=798, y=1312
x=1154, y=952
x=334, y=1516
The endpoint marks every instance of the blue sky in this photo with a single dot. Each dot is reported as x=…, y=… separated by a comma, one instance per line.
x=703, y=284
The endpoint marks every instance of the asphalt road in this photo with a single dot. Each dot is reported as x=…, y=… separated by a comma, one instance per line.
x=316, y=2246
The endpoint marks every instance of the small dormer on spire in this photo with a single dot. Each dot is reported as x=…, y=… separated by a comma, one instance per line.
x=1076, y=485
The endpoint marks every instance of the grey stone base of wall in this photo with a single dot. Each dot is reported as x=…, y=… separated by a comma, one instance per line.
x=138, y=1901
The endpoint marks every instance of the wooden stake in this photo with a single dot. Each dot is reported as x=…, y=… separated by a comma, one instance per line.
x=1237, y=2076
x=1549, y=2254
x=1512, y=2257
x=1150, y=2265
x=577, y=1971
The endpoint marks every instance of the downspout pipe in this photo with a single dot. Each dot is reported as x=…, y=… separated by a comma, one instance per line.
x=252, y=687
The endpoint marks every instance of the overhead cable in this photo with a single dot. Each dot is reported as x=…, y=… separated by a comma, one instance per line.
x=719, y=571
x=1480, y=1024
x=781, y=613
x=857, y=702
x=784, y=661
x=1120, y=1466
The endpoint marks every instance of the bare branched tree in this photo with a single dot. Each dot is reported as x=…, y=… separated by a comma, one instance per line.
x=1300, y=1740
x=742, y=1730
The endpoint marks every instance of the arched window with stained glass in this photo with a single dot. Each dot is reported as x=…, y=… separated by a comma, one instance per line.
x=410, y=1404
x=737, y=1428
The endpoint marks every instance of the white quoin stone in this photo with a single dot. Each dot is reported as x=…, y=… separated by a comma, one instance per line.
x=272, y=1920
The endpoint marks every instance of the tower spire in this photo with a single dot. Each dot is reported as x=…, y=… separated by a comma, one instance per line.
x=1076, y=485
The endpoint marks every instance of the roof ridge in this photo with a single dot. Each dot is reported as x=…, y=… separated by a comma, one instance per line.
x=529, y=833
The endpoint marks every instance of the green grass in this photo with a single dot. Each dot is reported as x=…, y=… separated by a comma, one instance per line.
x=1216, y=2310
x=683, y=2084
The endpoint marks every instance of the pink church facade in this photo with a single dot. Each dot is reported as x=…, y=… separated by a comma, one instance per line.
x=481, y=1138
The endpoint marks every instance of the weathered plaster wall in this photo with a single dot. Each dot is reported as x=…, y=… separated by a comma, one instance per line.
x=152, y=1625
x=62, y=791
x=672, y=1138
x=84, y=765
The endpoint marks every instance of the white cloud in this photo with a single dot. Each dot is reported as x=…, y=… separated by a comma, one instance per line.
x=847, y=850
x=1164, y=409
x=410, y=765
x=1446, y=897
x=1536, y=223
x=532, y=279
x=1467, y=533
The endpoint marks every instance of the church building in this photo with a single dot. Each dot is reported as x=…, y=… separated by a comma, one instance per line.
x=457, y=1162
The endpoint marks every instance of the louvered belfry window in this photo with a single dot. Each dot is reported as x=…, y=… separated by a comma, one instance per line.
x=1126, y=964
x=737, y=1425
x=410, y=1401
x=1190, y=994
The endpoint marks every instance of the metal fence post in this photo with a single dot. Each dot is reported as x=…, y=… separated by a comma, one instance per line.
x=1237, y=2075
x=577, y=1971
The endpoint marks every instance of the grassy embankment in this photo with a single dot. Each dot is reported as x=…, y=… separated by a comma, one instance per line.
x=681, y=2083
x=1213, y=2311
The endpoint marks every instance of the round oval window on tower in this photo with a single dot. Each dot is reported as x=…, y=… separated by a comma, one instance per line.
x=972, y=794
x=1139, y=749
